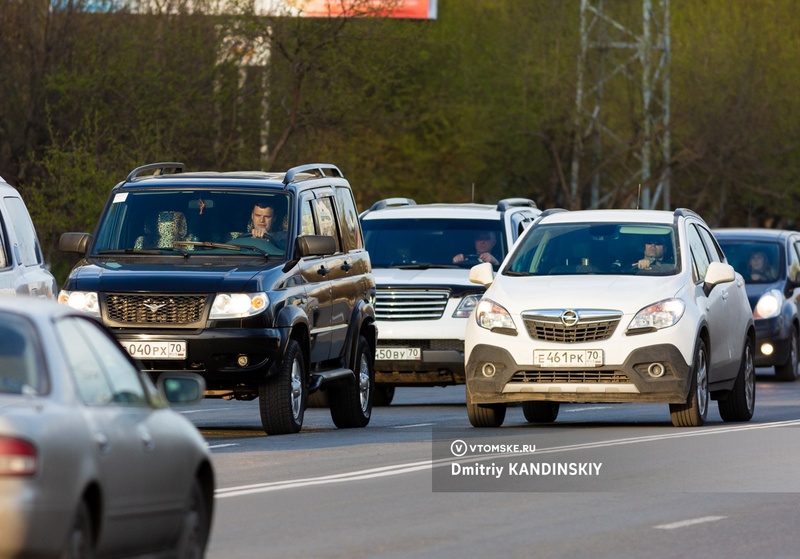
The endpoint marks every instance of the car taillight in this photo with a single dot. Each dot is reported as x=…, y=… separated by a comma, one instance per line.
x=17, y=457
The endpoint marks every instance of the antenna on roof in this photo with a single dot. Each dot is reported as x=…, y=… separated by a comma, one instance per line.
x=473, y=192
x=638, y=196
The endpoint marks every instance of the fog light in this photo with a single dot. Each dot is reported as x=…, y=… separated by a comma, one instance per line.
x=488, y=370
x=656, y=370
x=767, y=349
x=242, y=360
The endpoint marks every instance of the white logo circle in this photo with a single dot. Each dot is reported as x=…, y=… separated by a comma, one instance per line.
x=458, y=447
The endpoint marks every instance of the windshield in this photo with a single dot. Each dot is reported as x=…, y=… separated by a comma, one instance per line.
x=756, y=261
x=21, y=367
x=198, y=221
x=432, y=242
x=596, y=248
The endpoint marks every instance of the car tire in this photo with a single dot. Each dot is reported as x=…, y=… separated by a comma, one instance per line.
x=196, y=526
x=282, y=399
x=351, y=404
x=80, y=539
x=540, y=412
x=384, y=394
x=318, y=399
x=787, y=372
x=486, y=415
x=741, y=402
x=693, y=413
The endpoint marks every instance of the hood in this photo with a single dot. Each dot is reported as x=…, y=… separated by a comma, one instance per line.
x=396, y=277
x=206, y=275
x=628, y=294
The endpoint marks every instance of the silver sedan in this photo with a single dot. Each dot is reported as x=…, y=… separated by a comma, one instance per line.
x=93, y=462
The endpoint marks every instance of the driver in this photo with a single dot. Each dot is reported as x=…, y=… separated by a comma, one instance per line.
x=484, y=243
x=261, y=224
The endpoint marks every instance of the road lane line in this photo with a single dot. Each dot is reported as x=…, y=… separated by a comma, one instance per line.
x=689, y=522
x=413, y=425
x=399, y=469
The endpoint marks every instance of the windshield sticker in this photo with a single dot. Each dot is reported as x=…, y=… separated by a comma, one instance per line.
x=121, y=197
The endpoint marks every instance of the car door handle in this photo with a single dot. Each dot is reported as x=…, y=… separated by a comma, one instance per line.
x=323, y=271
x=346, y=266
x=102, y=443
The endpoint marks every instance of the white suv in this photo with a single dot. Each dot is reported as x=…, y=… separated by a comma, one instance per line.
x=611, y=306
x=421, y=256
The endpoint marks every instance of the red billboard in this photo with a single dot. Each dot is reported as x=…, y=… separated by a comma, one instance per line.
x=410, y=9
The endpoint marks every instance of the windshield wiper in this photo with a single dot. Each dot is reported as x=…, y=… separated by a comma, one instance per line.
x=209, y=244
x=423, y=266
x=155, y=251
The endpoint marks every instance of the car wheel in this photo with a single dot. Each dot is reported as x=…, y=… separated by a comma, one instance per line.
x=384, y=394
x=80, y=539
x=486, y=415
x=193, y=537
x=741, y=402
x=540, y=412
x=788, y=371
x=318, y=399
x=351, y=404
x=693, y=413
x=282, y=399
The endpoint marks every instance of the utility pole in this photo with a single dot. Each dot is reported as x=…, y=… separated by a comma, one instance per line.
x=623, y=155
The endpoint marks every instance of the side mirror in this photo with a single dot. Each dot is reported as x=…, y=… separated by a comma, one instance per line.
x=315, y=245
x=719, y=272
x=74, y=242
x=181, y=388
x=482, y=274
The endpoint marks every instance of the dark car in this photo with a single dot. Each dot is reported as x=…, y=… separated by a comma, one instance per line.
x=93, y=463
x=769, y=261
x=257, y=281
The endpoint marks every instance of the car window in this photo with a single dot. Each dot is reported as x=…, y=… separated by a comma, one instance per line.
x=714, y=251
x=351, y=229
x=155, y=220
x=29, y=249
x=428, y=242
x=700, y=258
x=326, y=218
x=4, y=260
x=102, y=373
x=21, y=363
x=794, y=260
x=595, y=248
x=757, y=261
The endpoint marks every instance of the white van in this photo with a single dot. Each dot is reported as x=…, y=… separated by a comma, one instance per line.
x=22, y=269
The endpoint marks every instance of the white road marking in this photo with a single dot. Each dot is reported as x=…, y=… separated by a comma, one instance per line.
x=414, y=425
x=568, y=410
x=199, y=411
x=689, y=522
x=398, y=469
x=222, y=445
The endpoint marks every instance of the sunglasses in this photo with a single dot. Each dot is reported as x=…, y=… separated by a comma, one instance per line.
x=654, y=242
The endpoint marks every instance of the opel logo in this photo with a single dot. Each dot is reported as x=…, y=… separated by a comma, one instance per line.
x=153, y=307
x=569, y=318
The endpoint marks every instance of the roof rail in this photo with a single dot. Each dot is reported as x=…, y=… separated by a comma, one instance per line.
x=392, y=202
x=551, y=211
x=318, y=169
x=159, y=169
x=506, y=203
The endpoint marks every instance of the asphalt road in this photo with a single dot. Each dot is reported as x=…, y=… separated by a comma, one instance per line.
x=602, y=481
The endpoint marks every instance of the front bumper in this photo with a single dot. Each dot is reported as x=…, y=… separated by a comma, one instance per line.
x=772, y=331
x=626, y=382
x=214, y=354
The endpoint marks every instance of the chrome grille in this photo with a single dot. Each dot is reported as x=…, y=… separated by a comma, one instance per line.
x=591, y=325
x=581, y=377
x=166, y=309
x=410, y=305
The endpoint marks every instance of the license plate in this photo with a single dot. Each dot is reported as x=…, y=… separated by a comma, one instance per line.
x=398, y=354
x=156, y=350
x=568, y=358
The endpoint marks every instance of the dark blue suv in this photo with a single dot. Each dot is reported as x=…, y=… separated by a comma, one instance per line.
x=257, y=281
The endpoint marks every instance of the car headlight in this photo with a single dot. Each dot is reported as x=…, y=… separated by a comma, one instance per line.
x=238, y=305
x=659, y=315
x=466, y=305
x=769, y=305
x=85, y=301
x=494, y=317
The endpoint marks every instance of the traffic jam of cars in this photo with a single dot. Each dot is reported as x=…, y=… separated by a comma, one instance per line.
x=272, y=286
